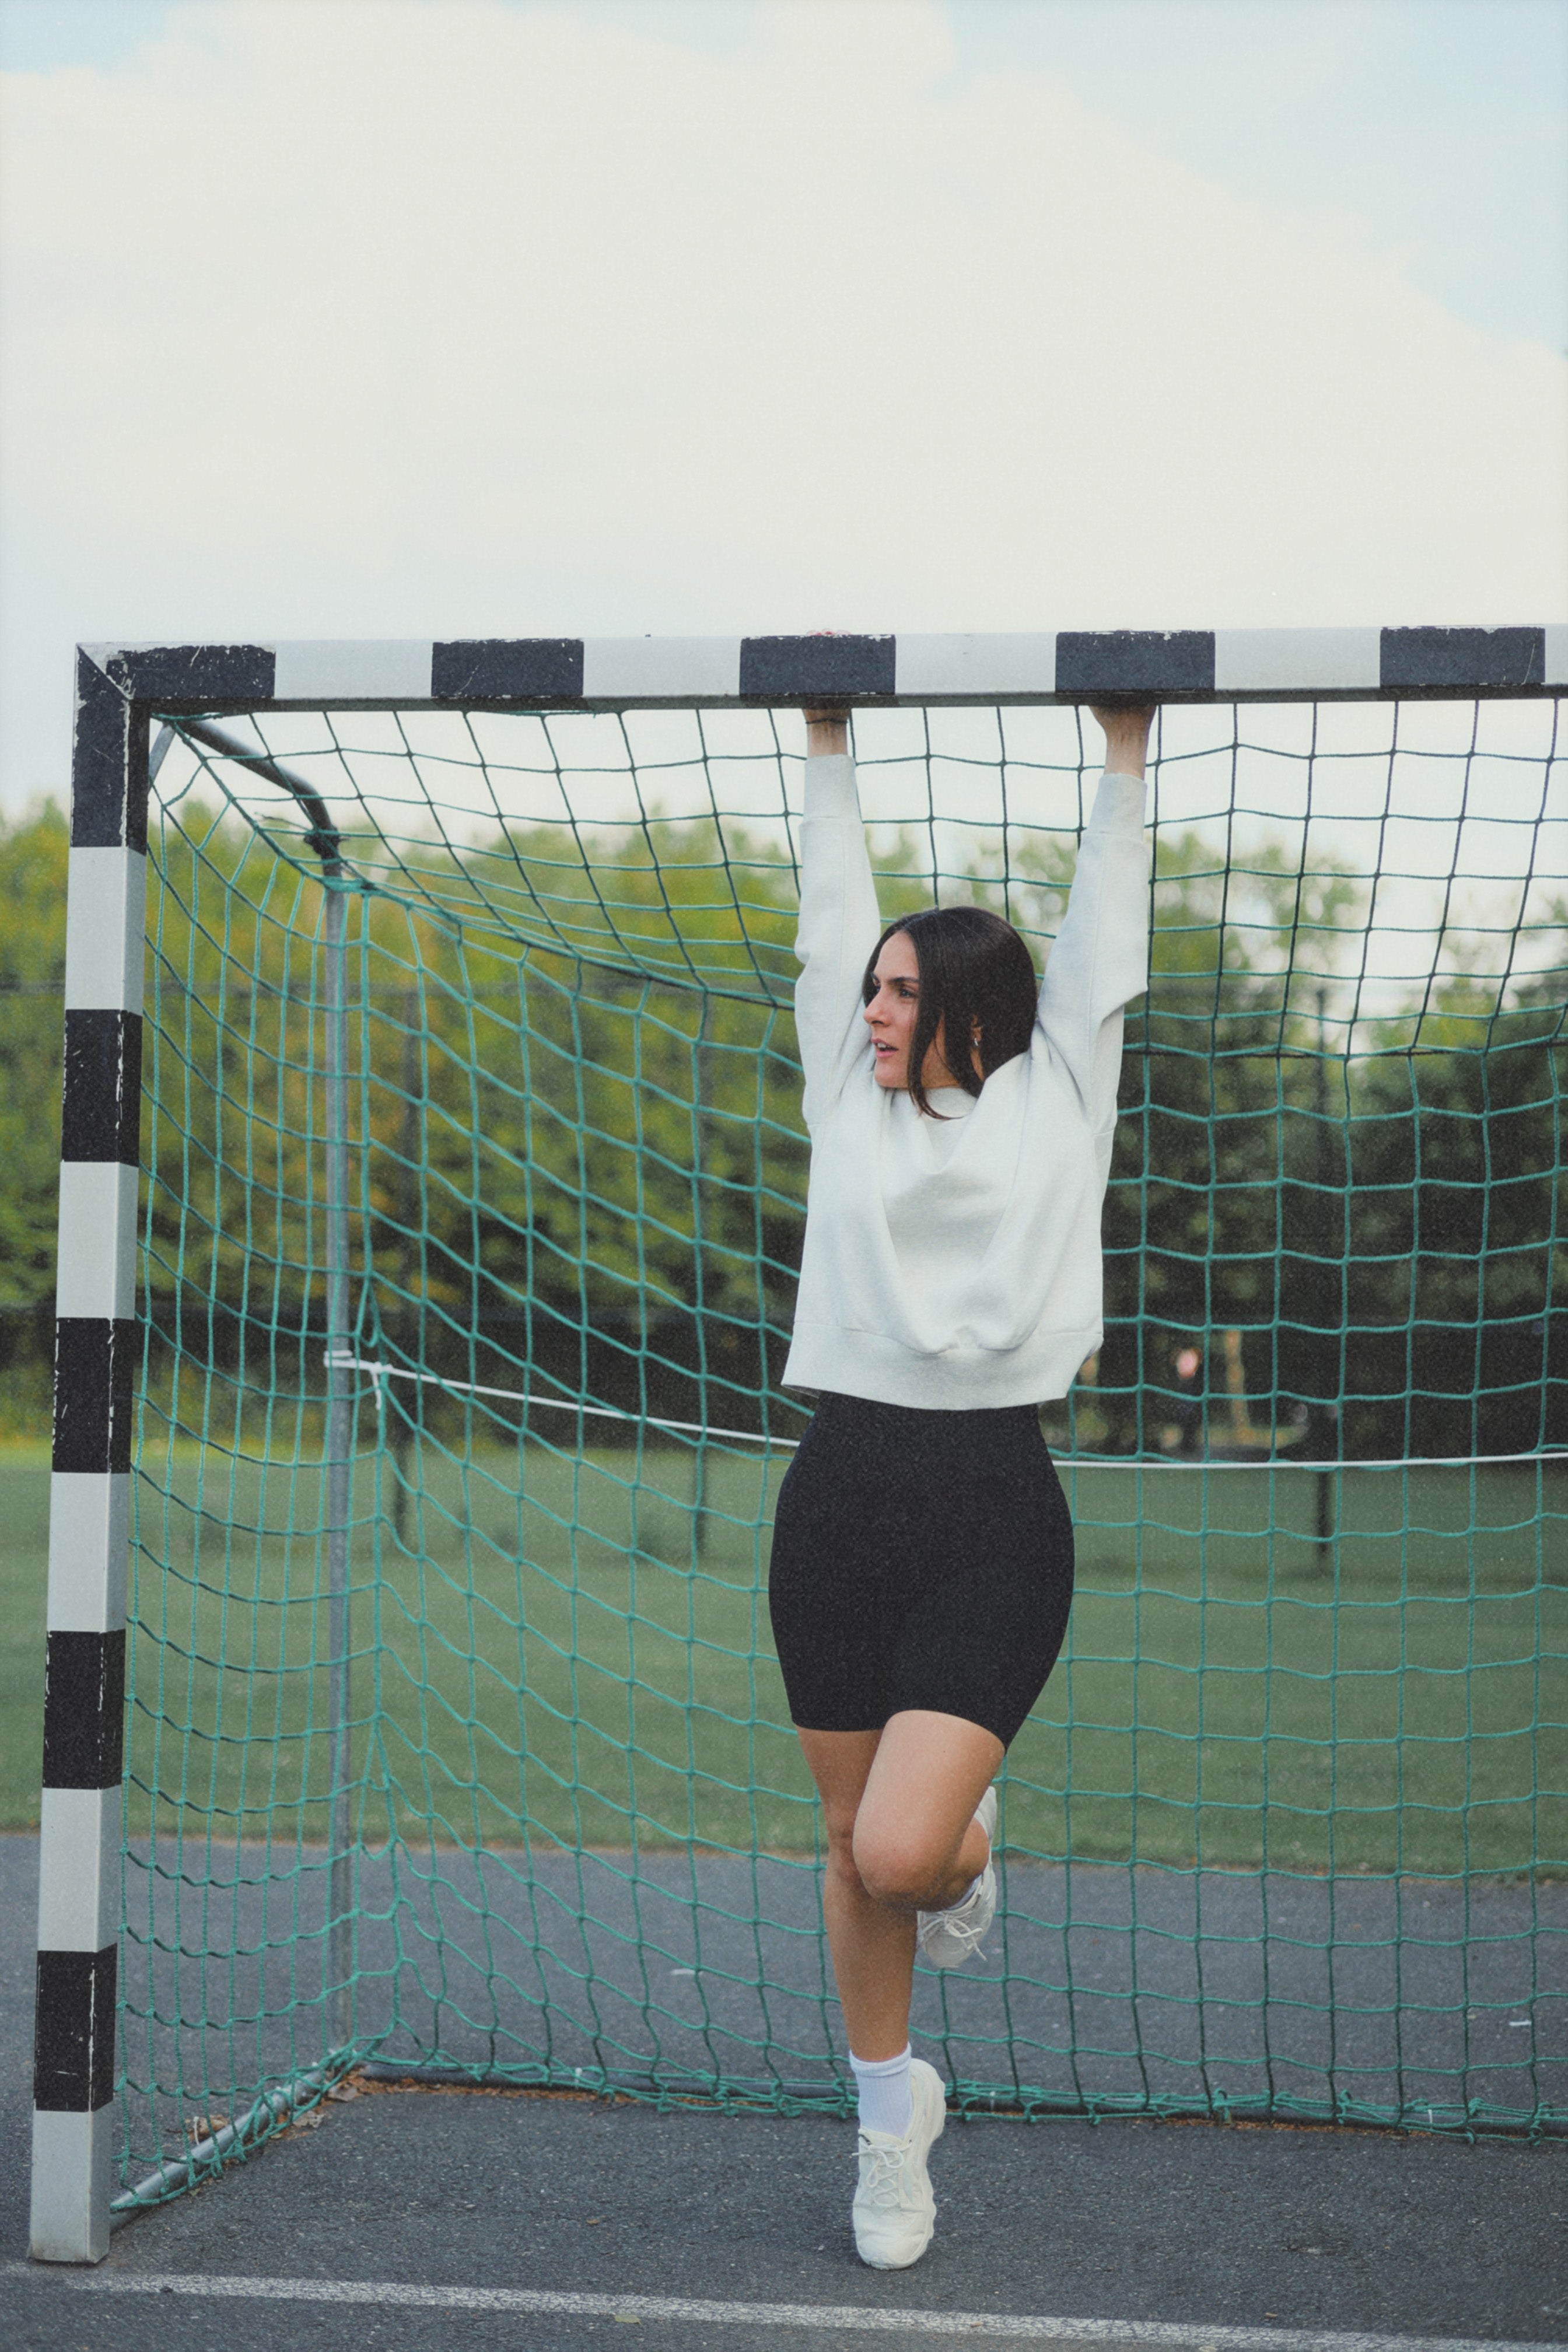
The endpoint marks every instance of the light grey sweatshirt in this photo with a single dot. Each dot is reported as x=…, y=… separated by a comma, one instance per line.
x=956, y=1266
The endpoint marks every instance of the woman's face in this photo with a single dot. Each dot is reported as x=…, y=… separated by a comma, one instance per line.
x=890, y=1017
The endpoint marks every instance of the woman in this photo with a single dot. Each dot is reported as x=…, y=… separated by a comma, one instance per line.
x=961, y=1127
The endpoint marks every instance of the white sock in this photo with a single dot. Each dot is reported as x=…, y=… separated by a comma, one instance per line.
x=887, y=2103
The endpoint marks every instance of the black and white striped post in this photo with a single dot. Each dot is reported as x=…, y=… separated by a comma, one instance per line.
x=78, y=1862
x=89, y=1504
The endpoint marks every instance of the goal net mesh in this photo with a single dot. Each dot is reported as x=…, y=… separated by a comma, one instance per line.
x=1288, y=1833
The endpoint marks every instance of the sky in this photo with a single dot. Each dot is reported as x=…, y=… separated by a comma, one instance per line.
x=365, y=317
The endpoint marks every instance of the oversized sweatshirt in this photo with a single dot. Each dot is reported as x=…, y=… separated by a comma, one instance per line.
x=956, y=1264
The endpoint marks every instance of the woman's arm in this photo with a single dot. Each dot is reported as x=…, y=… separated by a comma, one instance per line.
x=1101, y=959
x=839, y=924
x=1126, y=738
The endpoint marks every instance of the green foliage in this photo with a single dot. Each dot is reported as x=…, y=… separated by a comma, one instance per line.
x=544, y=1135
x=574, y=1111
x=33, y=852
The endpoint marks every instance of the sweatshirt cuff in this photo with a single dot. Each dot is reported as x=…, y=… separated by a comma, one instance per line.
x=1119, y=804
x=830, y=786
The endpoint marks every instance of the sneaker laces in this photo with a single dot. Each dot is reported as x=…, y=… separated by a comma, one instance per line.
x=953, y=1923
x=882, y=2172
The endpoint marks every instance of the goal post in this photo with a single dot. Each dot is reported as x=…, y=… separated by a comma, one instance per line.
x=400, y=1359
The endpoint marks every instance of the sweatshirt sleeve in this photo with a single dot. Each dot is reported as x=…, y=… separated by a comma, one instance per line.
x=1100, y=958
x=838, y=927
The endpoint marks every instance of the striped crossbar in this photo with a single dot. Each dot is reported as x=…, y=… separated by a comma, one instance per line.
x=1051, y=666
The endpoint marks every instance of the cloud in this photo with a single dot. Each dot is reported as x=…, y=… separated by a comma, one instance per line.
x=338, y=320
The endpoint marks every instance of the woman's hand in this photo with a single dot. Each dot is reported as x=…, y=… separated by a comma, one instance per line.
x=1126, y=738
x=827, y=734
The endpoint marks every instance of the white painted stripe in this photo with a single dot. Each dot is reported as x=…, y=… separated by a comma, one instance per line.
x=78, y=1869
x=877, y=2319
x=350, y=669
x=663, y=668
x=1297, y=661
x=95, y=1271
x=89, y=1530
x=106, y=929
x=1556, y=635
x=975, y=666
x=73, y=2162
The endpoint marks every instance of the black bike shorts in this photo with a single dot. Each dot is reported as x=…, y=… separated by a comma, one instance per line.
x=919, y=1559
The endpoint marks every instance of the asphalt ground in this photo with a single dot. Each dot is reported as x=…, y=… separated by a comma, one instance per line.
x=1133, y=2229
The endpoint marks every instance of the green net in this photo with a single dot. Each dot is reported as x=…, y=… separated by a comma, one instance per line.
x=474, y=1197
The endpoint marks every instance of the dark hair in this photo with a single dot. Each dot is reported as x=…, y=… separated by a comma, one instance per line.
x=975, y=973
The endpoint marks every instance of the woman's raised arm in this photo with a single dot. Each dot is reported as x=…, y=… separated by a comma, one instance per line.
x=1101, y=959
x=828, y=734
x=839, y=924
x=1126, y=738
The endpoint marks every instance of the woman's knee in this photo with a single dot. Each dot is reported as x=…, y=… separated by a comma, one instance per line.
x=896, y=1865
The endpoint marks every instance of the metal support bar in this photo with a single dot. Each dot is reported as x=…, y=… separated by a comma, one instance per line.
x=325, y=839
x=258, y=2122
x=339, y=1476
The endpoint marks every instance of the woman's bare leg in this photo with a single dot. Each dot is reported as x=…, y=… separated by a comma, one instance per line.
x=917, y=1844
x=873, y=1949
x=899, y=1806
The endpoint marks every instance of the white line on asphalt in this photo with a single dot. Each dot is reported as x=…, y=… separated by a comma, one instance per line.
x=861, y=2318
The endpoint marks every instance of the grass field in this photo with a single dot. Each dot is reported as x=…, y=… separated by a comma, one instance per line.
x=558, y=1643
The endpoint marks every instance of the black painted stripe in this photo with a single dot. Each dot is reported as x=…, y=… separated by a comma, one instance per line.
x=73, y=2032
x=1414, y=658
x=1135, y=661
x=785, y=668
x=84, y=1709
x=506, y=669
x=93, y=1360
x=198, y=676
x=100, y=1114
x=109, y=765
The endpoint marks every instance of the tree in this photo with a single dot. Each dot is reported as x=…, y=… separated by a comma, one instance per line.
x=1457, y=1207
x=1226, y=1160
x=33, y=853
x=575, y=1168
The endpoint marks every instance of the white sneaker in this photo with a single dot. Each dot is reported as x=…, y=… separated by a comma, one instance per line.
x=947, y=1938
x=895, y=2211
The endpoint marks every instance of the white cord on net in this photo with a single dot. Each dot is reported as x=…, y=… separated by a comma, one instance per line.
x=379, y=1371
